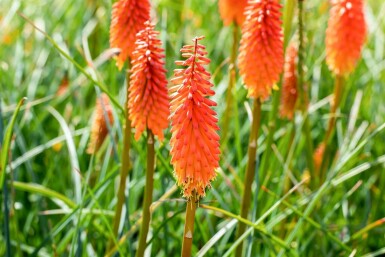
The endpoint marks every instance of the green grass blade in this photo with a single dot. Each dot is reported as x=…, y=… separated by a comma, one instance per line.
x=76, y=64
x=258, y=228
x=368, y=228
x=4, y=150
x=39, y=189
x=228, y=227
x=72, y=152
x=311, y=222
x=379, y=252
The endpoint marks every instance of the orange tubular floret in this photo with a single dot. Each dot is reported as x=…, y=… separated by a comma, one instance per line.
x=261, y=50
x=345, y=35
x=194, y=141
x=232, y=11
x=128, y=18
x=289, y=87
x=99, y=128
x=148, y=100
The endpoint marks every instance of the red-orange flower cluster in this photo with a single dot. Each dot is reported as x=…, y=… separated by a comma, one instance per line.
x=232, y=11
x=194, y=141
x=261, y=51
x=148, y=100
x=128, y=18
x=289, y=88
x=99, y=128
x=345, y=35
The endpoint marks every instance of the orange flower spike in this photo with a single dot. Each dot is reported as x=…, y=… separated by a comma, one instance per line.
x=148, y=100
x=261, y=49
x=99, y=128
x=128, y=18
x=289, y=87
x=345, y=35
x=194, y=141
x=232, y=11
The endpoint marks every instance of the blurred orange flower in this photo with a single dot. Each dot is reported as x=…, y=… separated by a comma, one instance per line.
x=318, y=156
x=148, y=100
x=289, y=87
x=232, y=11
x=345, y=35
x=128, y=18
x=194, y=141
x=99, y=129
x=261, y=50
x=64, y=85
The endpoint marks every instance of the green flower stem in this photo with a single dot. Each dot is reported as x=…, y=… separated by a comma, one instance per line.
x=250, y=170
x=303, y=95
x=146, y=215
x=338, y=92
x=125, y=164
x=232, y=81
x=286, y=180
x=189, y=226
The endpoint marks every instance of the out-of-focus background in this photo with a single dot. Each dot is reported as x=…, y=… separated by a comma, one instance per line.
x=52, y=132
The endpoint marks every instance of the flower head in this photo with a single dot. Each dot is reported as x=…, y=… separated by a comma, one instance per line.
x=128, y=18
x=148, y=100
x=194, y=141
x=345, y=35
x=99, y=128
x=289, y=87
x=232, y=11
x=260, y=57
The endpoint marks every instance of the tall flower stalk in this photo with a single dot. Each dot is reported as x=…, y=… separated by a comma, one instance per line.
x=194, y=141
x=128, y=17
x=345, y=37
x=148, y=109
x=260, y=63
x=289, y=99
x=303, y=97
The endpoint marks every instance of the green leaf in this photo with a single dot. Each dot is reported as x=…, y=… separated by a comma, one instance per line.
x=76, y=64
x=39, y=189
x=7, y=142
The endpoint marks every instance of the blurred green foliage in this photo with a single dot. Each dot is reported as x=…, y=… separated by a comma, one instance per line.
x=31, y=67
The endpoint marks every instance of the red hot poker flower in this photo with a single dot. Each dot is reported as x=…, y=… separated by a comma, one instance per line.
x=128, y=18
x=99, y=128
x=289, y=86
x=194, y=141
x=261, y=50
x=232, y=11
x=148, y=100
x=345, y=35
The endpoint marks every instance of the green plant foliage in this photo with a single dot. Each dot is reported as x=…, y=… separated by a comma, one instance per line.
x=62, y=200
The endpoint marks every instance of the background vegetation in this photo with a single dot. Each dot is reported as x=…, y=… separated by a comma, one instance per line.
x=62, y=200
